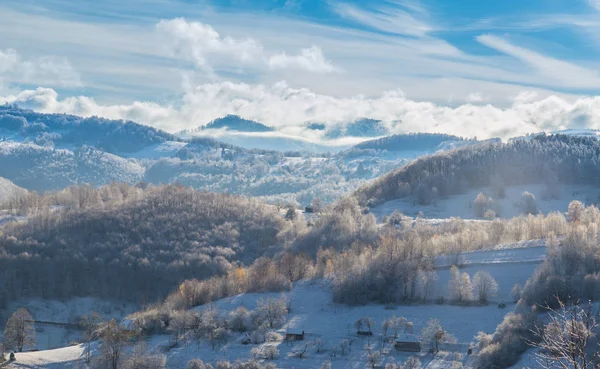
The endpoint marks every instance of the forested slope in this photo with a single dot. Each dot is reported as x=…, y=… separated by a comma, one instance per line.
x=136, y=249
x=542, y=159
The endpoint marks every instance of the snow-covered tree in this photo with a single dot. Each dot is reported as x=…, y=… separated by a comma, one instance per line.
x=459, y=286
x=435, y=334
x=528, y=203
x=485, y=286
x=575, y=211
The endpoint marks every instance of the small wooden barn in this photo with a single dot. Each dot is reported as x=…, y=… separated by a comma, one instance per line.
x=294, y=334
x=407, y=343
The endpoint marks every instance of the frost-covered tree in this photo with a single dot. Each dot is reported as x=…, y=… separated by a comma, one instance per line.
x=412, y=362
x=197, y=364
x=435, y=334
x=528, y=203
x=575, y=211
x=19, y=331
x=272, y=311
x=484, y=286
x=459, y=286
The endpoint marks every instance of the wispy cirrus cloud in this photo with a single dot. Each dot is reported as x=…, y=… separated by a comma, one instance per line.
x=552, y=69
x=386, y=18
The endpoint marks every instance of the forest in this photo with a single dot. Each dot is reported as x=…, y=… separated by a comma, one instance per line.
x=128, y=243
x=541, y=159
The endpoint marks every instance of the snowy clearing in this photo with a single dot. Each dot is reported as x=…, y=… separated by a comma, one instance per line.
x=462, y=205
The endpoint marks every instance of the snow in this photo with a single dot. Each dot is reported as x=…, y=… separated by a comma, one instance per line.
x=461, y=205
x=533, y=251
x=157, y=151
x=313, y=310
x=65, y=357
x=508, y=265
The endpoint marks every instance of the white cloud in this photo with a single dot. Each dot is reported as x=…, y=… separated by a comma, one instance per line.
x=287, y=109
x=475, y=97
x=310, y=59
x=49, y=70
x=558, y=71
x=198, y=42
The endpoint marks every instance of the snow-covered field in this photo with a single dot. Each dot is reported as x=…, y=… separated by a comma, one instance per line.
x=462, y=205
x=51, y=337
x=66, y=357
x=509, y=266
x=313, y=311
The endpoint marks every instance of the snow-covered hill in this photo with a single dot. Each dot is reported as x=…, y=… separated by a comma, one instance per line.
x=8, y=190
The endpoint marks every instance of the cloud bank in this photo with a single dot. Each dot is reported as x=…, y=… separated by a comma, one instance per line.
x=288, y=109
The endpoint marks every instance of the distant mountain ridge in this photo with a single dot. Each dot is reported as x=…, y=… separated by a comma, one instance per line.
x=364, y=127
x=56, y=130
x=410, y=141
x=232, y=122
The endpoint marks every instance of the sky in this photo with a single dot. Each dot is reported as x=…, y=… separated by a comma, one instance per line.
x=469, y=68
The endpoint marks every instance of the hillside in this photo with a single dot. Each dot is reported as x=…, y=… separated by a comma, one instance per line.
x=64, y=131
x=42, y=168
x=9, y=190
x=550, y=161
x=144, y=244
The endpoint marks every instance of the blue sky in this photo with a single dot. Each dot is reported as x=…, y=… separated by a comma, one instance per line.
x=176, y=64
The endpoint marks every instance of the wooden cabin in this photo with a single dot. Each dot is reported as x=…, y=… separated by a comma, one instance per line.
x=294, y=334
x=407, y=343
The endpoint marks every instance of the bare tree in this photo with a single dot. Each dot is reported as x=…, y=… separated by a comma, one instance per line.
x=19, y=330
x=485, y=286
x=373, y=357
x=140, y=358
x=114, y=341
x=412, y=362
x=364, y=322
x=90, y=324
x=320, y=345
x=565, y=342
x=272, y=311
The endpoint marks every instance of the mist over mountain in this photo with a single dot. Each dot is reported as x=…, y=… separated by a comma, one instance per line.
x=52, y=151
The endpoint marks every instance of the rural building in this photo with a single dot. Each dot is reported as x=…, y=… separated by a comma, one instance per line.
x=407, y=343
x=294, y=334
